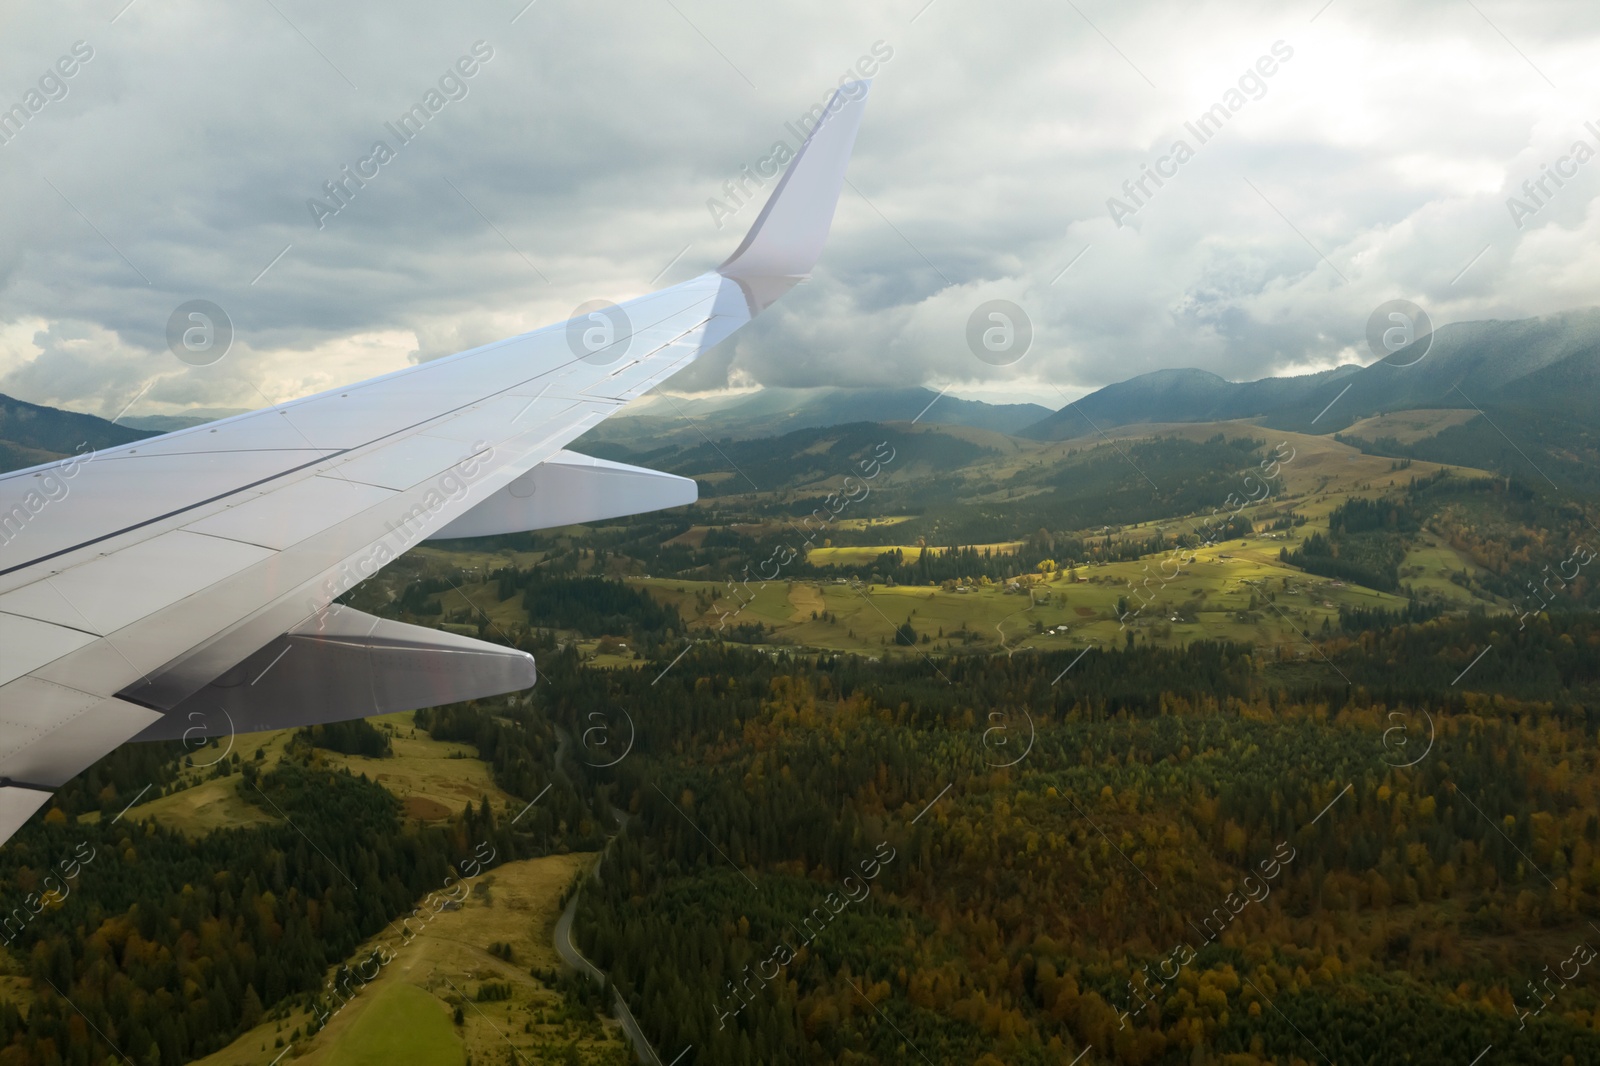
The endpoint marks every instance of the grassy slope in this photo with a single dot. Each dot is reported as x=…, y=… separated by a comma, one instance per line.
x=1407, y=427
x=404, y=1014
x=402, y=1023
x=431, y=778
x=1322, y=475
x=1219, y=583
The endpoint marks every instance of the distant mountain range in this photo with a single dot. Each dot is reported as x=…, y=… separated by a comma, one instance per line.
x=196, y=416
x=1185, y=395
x=1535, y=380
x=772, y=412
x=1550, y=363
x=30, y=434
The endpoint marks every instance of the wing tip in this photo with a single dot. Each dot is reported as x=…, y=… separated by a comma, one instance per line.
x=786, y=238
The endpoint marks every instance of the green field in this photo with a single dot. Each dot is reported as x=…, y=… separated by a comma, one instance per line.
x=404, y=1014
x=1238, y=590
x=432, y=779
x=864, y=554
x=401, y=1024
x=1217, y=587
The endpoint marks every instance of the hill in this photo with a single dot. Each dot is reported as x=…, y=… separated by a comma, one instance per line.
x=1552, y=363
x=32, y=434
x=196, y=416
x=1182, y=395
x=1042, y=703
x=776, y=411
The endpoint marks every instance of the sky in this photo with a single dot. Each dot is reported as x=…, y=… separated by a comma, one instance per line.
x=1358, y=153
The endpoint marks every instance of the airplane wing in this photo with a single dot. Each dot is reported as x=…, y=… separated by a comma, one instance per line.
x=183, y=586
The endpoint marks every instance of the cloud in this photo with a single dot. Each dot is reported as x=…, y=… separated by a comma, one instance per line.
x=577, y=161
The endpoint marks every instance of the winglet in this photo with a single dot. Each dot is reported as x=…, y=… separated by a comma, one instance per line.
x=788, y=235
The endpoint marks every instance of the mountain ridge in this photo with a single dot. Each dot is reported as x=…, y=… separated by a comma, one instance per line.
x=32, y=434
x=775, y=411
x=1535, y=374
x=1548, y=361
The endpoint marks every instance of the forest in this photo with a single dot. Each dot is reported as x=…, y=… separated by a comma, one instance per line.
x=168, y=946
x=1074, y=861
x=1378, y=841
x=981, y=858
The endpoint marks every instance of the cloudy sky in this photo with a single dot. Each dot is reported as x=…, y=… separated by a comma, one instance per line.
x=577, y=162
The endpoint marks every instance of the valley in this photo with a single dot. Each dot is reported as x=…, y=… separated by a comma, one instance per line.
x=1066, y=695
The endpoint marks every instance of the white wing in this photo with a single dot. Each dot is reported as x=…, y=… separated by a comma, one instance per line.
x=181, y=586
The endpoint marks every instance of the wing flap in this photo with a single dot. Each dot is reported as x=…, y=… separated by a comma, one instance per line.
x=108, y=593
x=49, y=732
x=18, y=803
x=79, y=510
x=27, y=644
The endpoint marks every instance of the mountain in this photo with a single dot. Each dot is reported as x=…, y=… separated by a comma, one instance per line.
x=31, y=434
x=1521, y=393
x=775, y=411
x=1184, y=395
x=197, y=416
x=1550, y=363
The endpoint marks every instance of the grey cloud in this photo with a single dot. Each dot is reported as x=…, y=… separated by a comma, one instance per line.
x=592, y=140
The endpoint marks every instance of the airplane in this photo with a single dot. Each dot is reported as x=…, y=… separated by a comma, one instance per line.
x=184, y=586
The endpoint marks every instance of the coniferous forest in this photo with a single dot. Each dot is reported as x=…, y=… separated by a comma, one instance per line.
x=1167, y=855
x=1375, y=840
x=1209, y=852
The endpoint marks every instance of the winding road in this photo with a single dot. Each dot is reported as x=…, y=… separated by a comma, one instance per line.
x=568, y=950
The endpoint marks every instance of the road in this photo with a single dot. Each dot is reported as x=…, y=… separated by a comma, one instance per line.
x=568, y=950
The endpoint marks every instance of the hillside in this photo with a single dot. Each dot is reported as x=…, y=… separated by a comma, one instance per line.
x=775, y=411
x=1552, y=363
x=197, y=416
x=1064, y=695
x=1186, y=395
x=31, y=434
